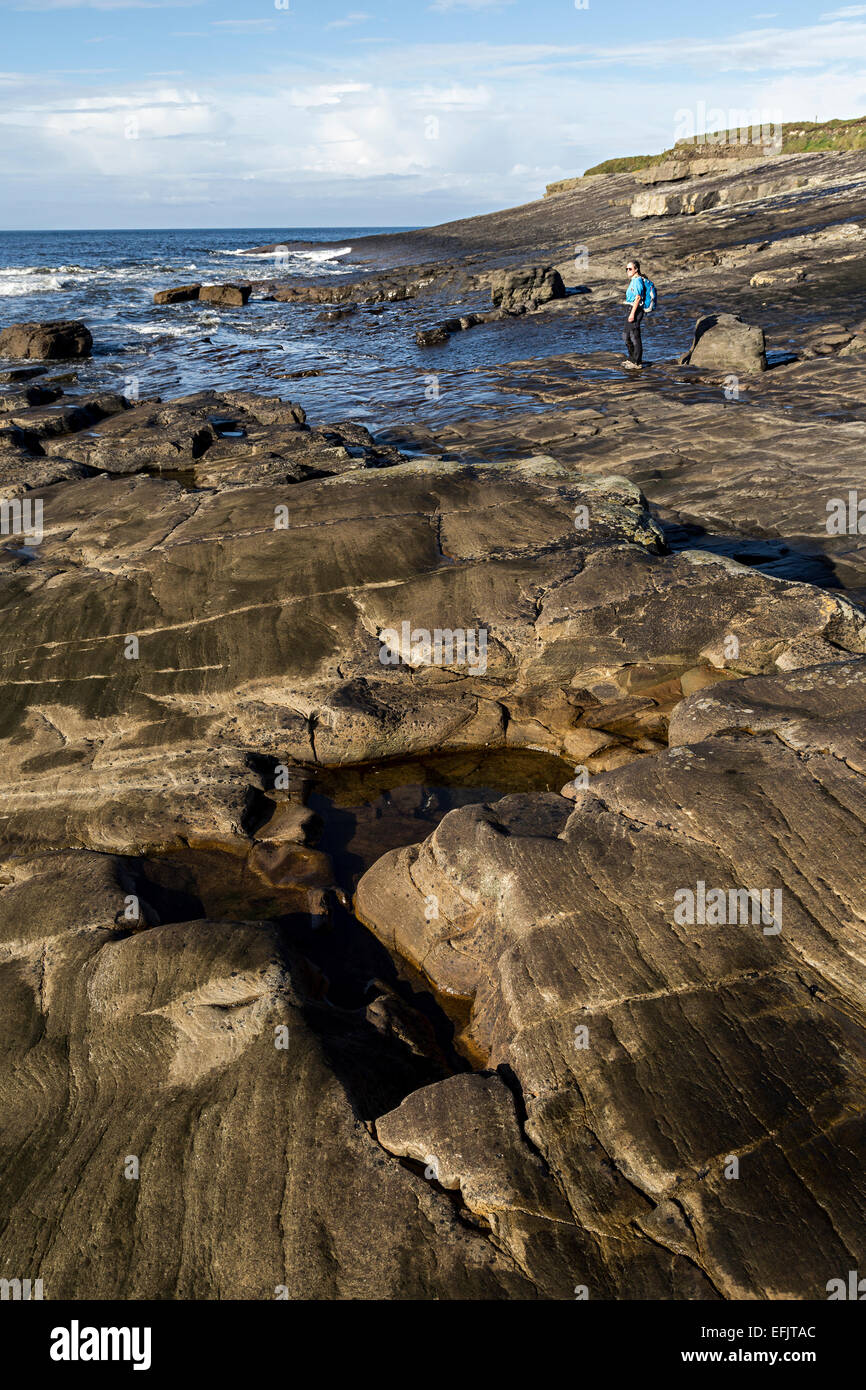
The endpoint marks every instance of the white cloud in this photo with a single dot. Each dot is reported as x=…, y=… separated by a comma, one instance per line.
x=440, y=6
x=349, y=21
x=244, y=26
x=101, y=4
x=404, y=132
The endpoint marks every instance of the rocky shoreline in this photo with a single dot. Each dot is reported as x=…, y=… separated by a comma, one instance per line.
x=465, y=814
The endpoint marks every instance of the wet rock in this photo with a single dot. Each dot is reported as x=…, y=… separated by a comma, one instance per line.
x=435, y=337
x=23, y=396
x=432, y=337
x=167, y=436
x=266, y=410
x=22, y=469
x=57, y=339
x=226, y=296
x=178, y=294
x=46, y=422
x=726, y=341
x=387, y=287
x=151, y=435
x=17, y=374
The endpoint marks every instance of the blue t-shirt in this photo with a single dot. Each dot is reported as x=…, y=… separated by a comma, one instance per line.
x=636, y=290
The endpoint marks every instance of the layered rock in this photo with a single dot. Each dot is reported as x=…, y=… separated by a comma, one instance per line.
x=178, y=294
x=664, y=204
x=225, y=295
x=258, y=615
x=689, y=1076
x=185, y=1115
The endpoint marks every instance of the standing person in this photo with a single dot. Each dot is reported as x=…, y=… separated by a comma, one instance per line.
x=635, y=295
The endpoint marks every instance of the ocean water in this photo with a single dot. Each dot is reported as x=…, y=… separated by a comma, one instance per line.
x=366, y=367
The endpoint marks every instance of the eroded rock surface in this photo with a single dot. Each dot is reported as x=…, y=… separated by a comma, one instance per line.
x=258, y=615
x=145, y=1098
x=695, y=1085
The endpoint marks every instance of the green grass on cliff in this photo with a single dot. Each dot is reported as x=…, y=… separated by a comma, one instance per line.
x=798, y=137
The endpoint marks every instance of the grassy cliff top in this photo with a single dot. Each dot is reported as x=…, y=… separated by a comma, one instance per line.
x=798, y=137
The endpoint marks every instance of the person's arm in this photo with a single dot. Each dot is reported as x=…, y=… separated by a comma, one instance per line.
x=638, y=299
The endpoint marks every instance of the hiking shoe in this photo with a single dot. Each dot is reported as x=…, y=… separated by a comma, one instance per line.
x=632, y=366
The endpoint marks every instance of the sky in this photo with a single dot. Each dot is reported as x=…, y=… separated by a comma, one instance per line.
x=303, y=113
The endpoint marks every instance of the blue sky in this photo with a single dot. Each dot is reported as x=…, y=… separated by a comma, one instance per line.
x=204, y=113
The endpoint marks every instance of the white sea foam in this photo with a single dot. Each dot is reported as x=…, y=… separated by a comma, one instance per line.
x=169, y=330
x=285, y=253
x=323, y=255
x=41, y=279
x=22, y=280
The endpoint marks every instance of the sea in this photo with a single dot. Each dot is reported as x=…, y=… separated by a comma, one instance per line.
x=365, y=367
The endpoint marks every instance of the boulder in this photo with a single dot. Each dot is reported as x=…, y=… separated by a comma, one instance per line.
x=725, y=341
x=225, y=295
x=516, y=291
x=177, y=295
x=56, y=339
x=856, y=346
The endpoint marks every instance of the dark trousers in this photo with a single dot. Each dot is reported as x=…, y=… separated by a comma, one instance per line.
x=633, y=338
